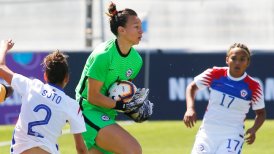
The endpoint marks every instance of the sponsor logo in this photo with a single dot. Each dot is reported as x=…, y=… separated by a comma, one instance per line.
x=129, y=72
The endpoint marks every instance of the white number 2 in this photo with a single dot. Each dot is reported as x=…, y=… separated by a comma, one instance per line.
x=40, y=122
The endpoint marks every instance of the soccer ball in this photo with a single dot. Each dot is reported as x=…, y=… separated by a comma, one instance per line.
x=122, y=91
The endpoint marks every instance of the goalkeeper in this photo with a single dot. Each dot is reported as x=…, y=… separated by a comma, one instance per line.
x=112, y=61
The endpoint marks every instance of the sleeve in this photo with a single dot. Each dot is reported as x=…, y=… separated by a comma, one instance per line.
x=76, y=120
x=204, y=79
x=98, y=68
x=139, y=65
x=257, y=101
x=20, y=83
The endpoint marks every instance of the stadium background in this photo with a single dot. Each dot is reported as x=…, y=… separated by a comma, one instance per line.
x=181, y=38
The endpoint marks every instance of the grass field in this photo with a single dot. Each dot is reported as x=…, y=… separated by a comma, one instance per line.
x=163, y=137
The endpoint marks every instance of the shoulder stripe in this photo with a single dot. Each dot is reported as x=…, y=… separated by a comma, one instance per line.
x=255, y=88
x=214, y=73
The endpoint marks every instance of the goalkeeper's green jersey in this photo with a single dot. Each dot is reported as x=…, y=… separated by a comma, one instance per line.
x=107, y=64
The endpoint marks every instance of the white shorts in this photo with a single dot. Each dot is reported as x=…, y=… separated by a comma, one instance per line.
x=21, y=143
x=218, y=144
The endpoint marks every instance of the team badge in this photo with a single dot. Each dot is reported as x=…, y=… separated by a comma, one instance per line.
x=105, y=118
x=243, y=93
x=129, y=72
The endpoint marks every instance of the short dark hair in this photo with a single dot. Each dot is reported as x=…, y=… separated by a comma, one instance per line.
x=55, y=66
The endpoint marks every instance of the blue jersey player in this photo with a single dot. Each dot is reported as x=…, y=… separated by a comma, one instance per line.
x=232, y=93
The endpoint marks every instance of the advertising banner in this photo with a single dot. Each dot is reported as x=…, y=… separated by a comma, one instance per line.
x=169, y=74
x=27, y=64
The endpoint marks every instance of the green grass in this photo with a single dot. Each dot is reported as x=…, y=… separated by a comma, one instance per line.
x=162, y=137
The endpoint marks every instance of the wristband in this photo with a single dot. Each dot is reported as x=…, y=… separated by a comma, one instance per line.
x=120, y=105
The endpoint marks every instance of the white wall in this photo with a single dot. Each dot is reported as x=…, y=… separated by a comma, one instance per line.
x=43, y=24
x=205, y=24
x=195, y=24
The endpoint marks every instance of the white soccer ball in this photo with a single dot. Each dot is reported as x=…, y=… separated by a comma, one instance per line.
x=122, y=91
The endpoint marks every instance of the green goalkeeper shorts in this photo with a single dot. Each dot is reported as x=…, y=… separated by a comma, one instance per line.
x=95, y=120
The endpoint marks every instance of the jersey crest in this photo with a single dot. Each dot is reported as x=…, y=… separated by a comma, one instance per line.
x=129, y=72
x=243, y=93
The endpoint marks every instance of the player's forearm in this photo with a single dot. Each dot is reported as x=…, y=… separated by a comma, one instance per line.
x=101, y=100
x=259, y=119
x=5, y=46
x=190, y=95
x=6, y=73
x=3, y=52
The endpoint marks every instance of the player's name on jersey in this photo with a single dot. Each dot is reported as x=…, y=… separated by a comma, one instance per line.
x=51, y=95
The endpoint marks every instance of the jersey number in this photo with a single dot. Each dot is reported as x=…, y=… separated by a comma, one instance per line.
x=41, y=122
x=231, y=99
x=233, y=146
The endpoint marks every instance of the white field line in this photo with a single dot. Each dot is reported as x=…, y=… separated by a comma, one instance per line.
x=7, y=143
x=67, y=131
x=4, y=143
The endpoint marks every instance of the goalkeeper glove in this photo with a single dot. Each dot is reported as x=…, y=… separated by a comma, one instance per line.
x=137, y=101
x=141, y=94
x=142, y=113
x=127, y=107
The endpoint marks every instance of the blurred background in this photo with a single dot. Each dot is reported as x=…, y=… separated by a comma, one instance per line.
x=181, y=38
x=80, y=24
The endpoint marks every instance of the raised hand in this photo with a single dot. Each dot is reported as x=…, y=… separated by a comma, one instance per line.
x=6, y=45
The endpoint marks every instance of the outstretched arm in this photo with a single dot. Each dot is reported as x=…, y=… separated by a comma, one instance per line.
x=259, y=120
x=190, y=115
x=5, y=72
x=80, y=145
